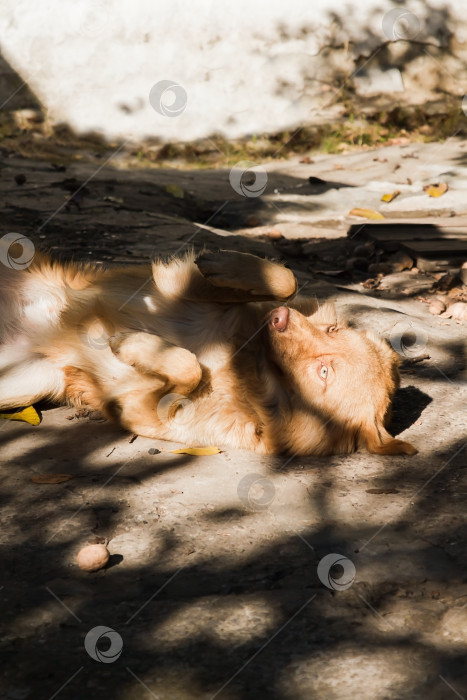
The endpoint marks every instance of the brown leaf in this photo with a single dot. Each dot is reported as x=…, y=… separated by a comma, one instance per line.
x=50, y=478
x=436, y=190
x=366, y=213
x=371, y=283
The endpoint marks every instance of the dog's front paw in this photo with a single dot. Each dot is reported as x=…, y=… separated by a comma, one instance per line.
x=116, y=341
x=212, y=266
x=227, y=269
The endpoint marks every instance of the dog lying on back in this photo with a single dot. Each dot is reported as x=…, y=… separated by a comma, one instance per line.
x=200, y=350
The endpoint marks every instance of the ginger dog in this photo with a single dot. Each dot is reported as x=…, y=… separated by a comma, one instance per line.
x=199, y=350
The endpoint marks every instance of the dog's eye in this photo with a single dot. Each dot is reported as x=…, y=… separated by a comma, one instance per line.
x=331, y=329
x=323, y=372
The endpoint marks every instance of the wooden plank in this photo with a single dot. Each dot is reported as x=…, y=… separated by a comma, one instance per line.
x=388, y=232
x=435, y=248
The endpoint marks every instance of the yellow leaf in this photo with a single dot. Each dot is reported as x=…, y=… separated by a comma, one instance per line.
x=436, y=190
x=27, y=415
x=175, y=191
x=389, y=197
x=51, y=478
x=366, y=213
x=200, y=451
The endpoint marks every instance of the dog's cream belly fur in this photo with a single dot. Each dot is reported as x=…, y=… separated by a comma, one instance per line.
x=29, y=310
x=212, y=421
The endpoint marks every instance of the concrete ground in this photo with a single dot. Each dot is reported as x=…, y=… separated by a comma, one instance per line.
x=221, y=582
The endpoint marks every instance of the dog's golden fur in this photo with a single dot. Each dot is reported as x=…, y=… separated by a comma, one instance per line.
x=196, y=351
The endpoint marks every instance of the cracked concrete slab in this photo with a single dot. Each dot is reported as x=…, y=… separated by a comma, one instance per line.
x=214, y=587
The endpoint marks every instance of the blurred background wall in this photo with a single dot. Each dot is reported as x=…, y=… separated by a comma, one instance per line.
x=121, y=67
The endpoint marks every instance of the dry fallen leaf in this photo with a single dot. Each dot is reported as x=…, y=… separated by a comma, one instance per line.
x=175, y=191
x=371, y=283
x=27, y=415
x=200, y=451
x=436, y=190
x=366, y=213
x=389, y=197
x=50, y=478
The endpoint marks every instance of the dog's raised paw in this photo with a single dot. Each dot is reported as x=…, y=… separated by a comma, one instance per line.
x=225, y=269
x=115, y=342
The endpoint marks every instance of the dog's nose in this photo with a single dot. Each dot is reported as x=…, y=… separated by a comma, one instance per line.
x=279, y=318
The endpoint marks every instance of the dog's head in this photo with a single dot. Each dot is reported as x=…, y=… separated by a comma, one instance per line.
x=346, y=376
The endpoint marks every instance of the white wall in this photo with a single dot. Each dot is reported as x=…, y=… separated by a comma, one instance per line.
x=245, y=67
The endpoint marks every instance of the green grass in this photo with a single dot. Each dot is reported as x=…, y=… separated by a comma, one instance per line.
x=58, y=144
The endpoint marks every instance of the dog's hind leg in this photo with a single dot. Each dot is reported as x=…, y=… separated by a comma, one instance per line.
x=262, y=279
x=149, y=354
x=224, y=278
x=24, y=383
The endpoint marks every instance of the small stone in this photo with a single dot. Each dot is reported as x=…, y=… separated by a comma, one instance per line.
x=252, y=221
x=457, y=311
x=436, y=307
x=274, y=233
x=153, y=451
x=93, y=557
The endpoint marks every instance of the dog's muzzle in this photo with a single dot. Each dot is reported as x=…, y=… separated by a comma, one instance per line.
x=279, y=318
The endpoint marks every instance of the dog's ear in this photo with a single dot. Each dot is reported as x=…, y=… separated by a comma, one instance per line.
x=325, y=316
x=377, y=440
